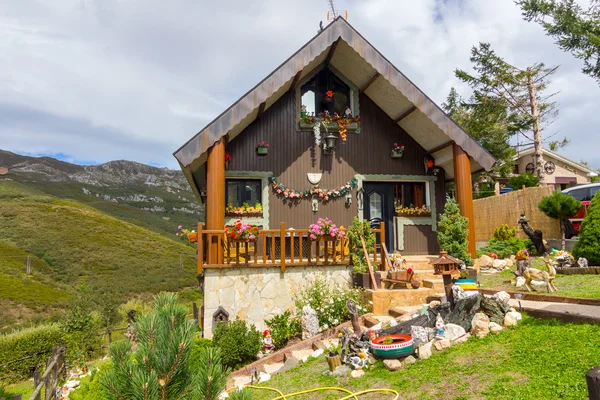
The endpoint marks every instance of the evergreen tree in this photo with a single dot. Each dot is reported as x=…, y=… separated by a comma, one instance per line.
x=453, y=231
x=588, y=245
x=558, y=206
x=528, y=180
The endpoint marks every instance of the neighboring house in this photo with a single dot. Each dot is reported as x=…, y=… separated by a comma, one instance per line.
x=370, y=183
x=560, y=171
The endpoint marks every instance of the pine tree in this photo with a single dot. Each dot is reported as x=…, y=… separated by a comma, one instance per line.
x=588, y=245
x=453, y=231
x=558, y=206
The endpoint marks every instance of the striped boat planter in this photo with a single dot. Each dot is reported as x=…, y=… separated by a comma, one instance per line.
x=402, y=346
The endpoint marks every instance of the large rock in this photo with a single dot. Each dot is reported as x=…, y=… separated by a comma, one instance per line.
x=502, y=296
x=495, y=328
x=454, y=331
x=509, y=262
x=511, y=318
x=424, y=352
x=409, y=360
x=310, y=323
x=359, y=373
x=458, y=293
x=499, y=264
x=462, y=339
x=480, y=326
x=520, y=281
x=442, y=344
x=485, y=261
x=392, y=365
x=342, y=370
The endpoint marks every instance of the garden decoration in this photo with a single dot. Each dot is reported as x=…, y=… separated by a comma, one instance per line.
x=351, y=345
x=359, y=361
x=315, y=192
x=539, y=275
x=564, y=259
x=227, y=160
x=328, y=96
x=535, y=236
x=446, y=265
x=429, y=163
x=397, y=151
x=310, y=323
x=262, y=148
x=303, y=112
x=268, y=344
x=440, y=327
x=522, y=258
x=186, y=234
x=392, y=346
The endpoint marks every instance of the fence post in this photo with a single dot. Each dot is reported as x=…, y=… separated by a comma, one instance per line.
x=592, y=378
x=282, y=246
x=28, y=267
x=109, y=341
x=36, y=380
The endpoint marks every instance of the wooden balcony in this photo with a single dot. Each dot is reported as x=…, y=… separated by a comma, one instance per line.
x=269, y=250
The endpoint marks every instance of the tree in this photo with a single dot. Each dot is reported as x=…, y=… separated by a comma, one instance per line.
x=527, y=180
x=559, y=206
x=80, y=329
x=576, y=29
x=453, y=231
x=520, y=92
x=588, y=245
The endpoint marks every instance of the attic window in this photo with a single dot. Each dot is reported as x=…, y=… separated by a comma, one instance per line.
x=315, y=92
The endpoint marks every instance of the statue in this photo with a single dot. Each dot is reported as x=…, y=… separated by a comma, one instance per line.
x=348, y=112
x=360, y=360
x=522, y=257
x=268, y=345
x=310, y=323
x=539, y=275
x=535, y=236
x=440, y=327
x=351, y=304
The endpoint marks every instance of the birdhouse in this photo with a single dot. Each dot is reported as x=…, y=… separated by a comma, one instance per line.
x=446, y=264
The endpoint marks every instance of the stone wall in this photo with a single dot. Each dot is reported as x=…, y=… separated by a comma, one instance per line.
x=256, y=294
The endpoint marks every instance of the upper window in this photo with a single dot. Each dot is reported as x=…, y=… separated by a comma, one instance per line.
x=410, y=194
x=325, y=92
x=240, y=191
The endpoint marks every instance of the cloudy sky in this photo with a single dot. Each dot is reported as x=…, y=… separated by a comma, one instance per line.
x=96, y=80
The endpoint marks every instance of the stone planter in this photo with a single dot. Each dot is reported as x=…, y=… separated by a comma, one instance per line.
x=401, y=346
x=397, y=154
x=262, y=151
x=363, y=280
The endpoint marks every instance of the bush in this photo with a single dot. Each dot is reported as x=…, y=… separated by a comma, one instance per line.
x=91, y=390
x=197, y=347
x=239, y=343
x=527, y=180
x=558, y=206
x=357, y=254
x=588, y=245
x=504, y=232
x=283, y=327
x=329, y=302
x=505, y=248
x=38, y=341
x=453, y=231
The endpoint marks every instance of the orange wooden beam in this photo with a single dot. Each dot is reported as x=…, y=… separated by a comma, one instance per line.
x=215, y=196
x=464, y=191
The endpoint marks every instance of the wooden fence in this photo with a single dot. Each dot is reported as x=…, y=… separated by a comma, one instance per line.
x=490, y=212
x=55, y=366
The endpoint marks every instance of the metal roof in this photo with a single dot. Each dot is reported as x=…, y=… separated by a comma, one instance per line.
x=362, y=64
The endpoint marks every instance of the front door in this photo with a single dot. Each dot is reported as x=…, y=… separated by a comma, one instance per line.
x=379, y=207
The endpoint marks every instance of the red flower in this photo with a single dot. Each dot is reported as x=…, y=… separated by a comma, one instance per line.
x=227, y=157
x=429, y=163
x=329, y=93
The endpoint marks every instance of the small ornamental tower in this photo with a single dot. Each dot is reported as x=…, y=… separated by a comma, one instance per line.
x=446, y=265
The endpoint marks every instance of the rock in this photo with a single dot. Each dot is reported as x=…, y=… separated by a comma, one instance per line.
x=272, y=368
x=511, y=318
x=419, y=334
x=434, y=303
x=242, y=380
x=453, y=332
x=502, y=296
x=342, y=370
x=289, y=364
x=582, y=262
x=499, y=264
x=318, y=345
x=264, y=377
x=513, y=258
x=326, y=373
x=520, y=281
x=393, y=322
x=509, y=262
x=377, y=327
x=302, y=355
x=392, y=365
x=512, y=309
x=458, y=293
x=462, y=339
x=409, y=360
x=495, y=328
x=405, y=317
x=480, y=326
x=424, y=352
x=442, y=344
x=372, y=360
x=359, y=373
x=310, y=323
x=538, y=283
x=485, y=261
x=317, y=353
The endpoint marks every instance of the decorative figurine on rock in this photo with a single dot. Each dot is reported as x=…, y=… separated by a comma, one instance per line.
x=360, y=360
x=348, y=112
x=268, y=345
x=440, y=327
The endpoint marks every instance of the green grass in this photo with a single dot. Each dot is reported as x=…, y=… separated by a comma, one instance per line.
x=539, y=359
x=584, y=286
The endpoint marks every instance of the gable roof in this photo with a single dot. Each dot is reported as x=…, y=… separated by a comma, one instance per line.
x=341, y=46
x=589, y=171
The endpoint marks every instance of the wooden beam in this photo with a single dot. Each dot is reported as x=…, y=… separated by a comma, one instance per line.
x=215, y=197
x=405, y=114
x=371, y=81
x=295, y=81
x=331, y=51
x=261, y=109
x=464, y=191
x=440, y=147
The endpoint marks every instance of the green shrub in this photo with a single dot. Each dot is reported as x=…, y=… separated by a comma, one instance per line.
x=239, y=343
x=37, y=342
x=558, y=206
x=505, y=232
x=453, y=231
x=588, y=245
x=505, y=248
x=357, y=254
x=527, y=180
x=329, y=302
x=283, y=327
x=199, y=344
x=91, y=390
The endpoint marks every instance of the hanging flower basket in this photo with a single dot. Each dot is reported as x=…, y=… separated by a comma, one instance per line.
x=262, y=148
x=192, y=237
x=397, y=151
x=325, y=229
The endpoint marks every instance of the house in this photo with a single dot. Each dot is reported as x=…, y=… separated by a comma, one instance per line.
x=560, y=171
x=338, y=166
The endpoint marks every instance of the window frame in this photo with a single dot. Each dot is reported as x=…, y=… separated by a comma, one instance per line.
x=243, y=180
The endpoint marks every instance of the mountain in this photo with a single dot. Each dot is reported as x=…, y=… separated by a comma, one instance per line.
x=158, y=199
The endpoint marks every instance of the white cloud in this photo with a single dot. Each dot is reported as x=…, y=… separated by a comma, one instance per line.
x=101, y=80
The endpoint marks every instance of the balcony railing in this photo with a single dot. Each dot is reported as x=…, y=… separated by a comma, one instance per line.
x=269, y=250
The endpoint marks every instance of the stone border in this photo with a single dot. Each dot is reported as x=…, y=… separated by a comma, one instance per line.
x=578, y=271
x=561, y=316
x=546, y=297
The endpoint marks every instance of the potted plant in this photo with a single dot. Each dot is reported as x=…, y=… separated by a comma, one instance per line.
x=333, y=357
x=328, y=96
x=325, y=229
x=227, y=160
x=412, y=211
x=397, y=151
x=183, y=233
x=262, y=148
x=361, y=276
x=241, y=232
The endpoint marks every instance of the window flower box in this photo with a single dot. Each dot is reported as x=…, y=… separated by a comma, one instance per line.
x=331, y=127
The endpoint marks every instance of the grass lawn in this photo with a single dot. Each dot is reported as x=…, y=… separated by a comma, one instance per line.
x=539, y=359
x=586, y=286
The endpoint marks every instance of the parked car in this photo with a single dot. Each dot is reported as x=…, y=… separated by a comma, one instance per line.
x=583, y=193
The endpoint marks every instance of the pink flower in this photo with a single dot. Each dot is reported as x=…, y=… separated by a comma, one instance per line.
x=312, y=236
x=179, y=227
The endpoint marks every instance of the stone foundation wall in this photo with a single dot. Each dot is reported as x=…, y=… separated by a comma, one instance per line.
x=256, y=294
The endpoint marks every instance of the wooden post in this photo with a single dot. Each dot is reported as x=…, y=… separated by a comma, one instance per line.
x=108, y=341
x=362, y=240
x=382, y=227
x=592, y=378
x=215, y=198
x=282, y=246
x=200, y=243
x=464, y=191
x=36, y=382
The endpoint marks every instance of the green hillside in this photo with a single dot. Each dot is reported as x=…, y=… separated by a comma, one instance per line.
x=74, y=243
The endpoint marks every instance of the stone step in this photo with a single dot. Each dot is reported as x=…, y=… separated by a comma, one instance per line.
x=433, y=283
x=273, y=368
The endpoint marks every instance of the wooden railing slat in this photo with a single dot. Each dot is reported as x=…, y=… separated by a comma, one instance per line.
x=200, y=243
x=272, y=248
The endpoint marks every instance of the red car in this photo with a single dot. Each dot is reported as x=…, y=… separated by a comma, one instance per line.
x=583, y=193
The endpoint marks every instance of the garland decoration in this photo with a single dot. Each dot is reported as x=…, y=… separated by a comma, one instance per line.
x=314, y=192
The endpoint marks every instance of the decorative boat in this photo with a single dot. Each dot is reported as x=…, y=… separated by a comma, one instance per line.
x=395, y=346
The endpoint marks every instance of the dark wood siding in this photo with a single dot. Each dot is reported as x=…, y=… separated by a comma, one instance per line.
x=419, y=240
x=293, y=154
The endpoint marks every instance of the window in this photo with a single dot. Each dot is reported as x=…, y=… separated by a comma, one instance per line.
x=375, y=206
x=516, y=169
x=240, y=191
x=580, y=194
x=409, y=194
x=314, y=95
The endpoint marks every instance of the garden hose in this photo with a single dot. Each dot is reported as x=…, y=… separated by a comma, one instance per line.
x=350, y=395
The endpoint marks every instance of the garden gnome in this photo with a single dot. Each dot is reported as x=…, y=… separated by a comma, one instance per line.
x=440, y=327
x=268, y=345
x=303, y=111
x=347, y=112
x=372, y=335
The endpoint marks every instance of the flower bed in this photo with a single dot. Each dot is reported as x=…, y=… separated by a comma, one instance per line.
x=413, y=211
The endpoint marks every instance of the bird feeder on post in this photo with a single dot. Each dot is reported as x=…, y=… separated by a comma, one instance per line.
x=446, y=265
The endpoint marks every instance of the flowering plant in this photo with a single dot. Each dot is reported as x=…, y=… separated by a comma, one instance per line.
x=227, y=157
x=324, y=119
x=413, y=211
x=397, y=148
x=244, y=210
x=329, y=93
x=262, y=145
x=183, y=233
x=493, y=255
x=241, y=232
x=325, y=227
